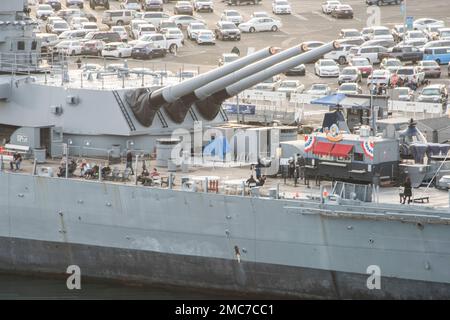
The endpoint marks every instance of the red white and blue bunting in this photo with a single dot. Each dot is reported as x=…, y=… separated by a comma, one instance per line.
x=309, y=143
x=368, y=147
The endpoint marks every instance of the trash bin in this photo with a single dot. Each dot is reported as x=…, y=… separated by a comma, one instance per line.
x=40, y=154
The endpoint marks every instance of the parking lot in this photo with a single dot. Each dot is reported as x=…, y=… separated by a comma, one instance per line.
x=306, y=23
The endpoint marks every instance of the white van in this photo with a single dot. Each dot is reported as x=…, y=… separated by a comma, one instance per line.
x=117, y=17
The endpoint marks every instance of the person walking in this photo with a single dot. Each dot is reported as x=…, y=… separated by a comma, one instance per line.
x=130, y=161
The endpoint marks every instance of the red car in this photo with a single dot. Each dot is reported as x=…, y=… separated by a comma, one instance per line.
x=363, y=66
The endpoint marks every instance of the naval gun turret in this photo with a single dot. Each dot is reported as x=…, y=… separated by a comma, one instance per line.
x=208, y=91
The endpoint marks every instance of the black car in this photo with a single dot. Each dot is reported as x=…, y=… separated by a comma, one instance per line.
x=152, y=5
x=226, y=30
x=55, y=4
x=240, y=2
x=102, y=3
x=147, y=51
x=299, y=70
x=383, y=2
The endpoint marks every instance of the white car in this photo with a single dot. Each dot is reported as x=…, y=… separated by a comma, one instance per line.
x=349, y=74
x=416, y=35
x=131, y=5
x=260, y=24
x=350, y=34
x=205, y=37
x=121, y=31
x=281, y=7
x=370, y=53
x=340, y=54
x=134, y=26
x=194, y=28
x=391, y=64
x=291, y=86
x=227, y=58
x=203, y=5
x=44, y=11
x=381, y=33
x=89, y=26
x=72, y=35
x=70, y=47
x=174, y=33
x=328, y=6
x=183, y=21
x=75, y=22
x=117, y=50
x=319, y=89
x=381, y=76
x=402, y=94
x=421, y=24
x=259, y=14
x=231, y=16
x=413, y=74
x=152, y=17
x=59, y=27
x=349, y=88
x=326, y=68
x=144, y=29
x=270, y=84
x=444, y=34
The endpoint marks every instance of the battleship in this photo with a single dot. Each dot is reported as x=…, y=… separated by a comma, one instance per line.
x=322, y=246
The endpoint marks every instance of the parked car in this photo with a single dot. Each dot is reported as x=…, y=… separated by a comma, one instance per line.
x=152, y=5
x=166, y=24
x=343, y=11
x=349, y=88
x=443, y=34
x=403, y=53
x=299, y=70
x=260, y=14
x=386, y=43
x=117, y=17
x=440, y=55
x=270, y=84
x=391, y=64
x=117, y=50
x=363, y=65
x=152, y=17
x=160, y=41
x=339, y=54
x=412, y=74
x=147, y=50
x=382, y=2
x=89, y=26
x=281, y=7
x=227, y=31
x=55, y=4
x=131, y=5
x=443, y=183
x=144, y=29
x=105, y=36
x=260, y=24
x=416, y=35
x=182, y=21
x=434, y=93
x=241, y=2
x=133, y=28
x=326, y=68
x=72, y=34
x=75, y=22
x=328, y=6
x=205, y=37
x=121, y=31
x=380, y=33
x=194, y=28
x=431, y=68
x=349, y=74
x=381, y=76
x=174, y=33
x=290, y=87
x=319, y=89
x=422, y=23
x=371, y=53
x=183, y=7
x=231, y=16
x=203, y=5
x=59, y=27
x=227, y=58
x=75, y=3
x=350, y=34
x=69, y=47
x=92, y=47
x=95, y=3
x=402, y=94
x=44, y=11
x=50, y=21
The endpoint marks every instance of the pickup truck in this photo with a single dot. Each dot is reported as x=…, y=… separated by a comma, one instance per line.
x=160, y=41
x=404, y=53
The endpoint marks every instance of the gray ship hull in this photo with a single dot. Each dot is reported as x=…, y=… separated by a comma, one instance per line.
x=297, y=248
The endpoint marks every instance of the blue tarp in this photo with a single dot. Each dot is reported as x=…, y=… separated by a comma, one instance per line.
x=331, y=100
x=218, y=147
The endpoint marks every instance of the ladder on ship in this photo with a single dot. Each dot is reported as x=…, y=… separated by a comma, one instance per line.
x=124, y=110
x=223, y=114
x=193, y=115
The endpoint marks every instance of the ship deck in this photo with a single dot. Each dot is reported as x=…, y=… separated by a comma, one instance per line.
x=231, y=179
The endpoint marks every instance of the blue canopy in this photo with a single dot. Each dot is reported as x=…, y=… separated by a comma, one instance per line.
x=217, y=147
x=331, y=100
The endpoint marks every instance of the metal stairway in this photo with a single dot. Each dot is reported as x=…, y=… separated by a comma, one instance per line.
x=124, y=110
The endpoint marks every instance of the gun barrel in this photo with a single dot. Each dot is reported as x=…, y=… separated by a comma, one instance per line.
x=172, y=93
x=281, y=67
x=219, y=84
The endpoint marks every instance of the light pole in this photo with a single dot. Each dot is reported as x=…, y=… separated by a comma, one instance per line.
x=404, y=20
